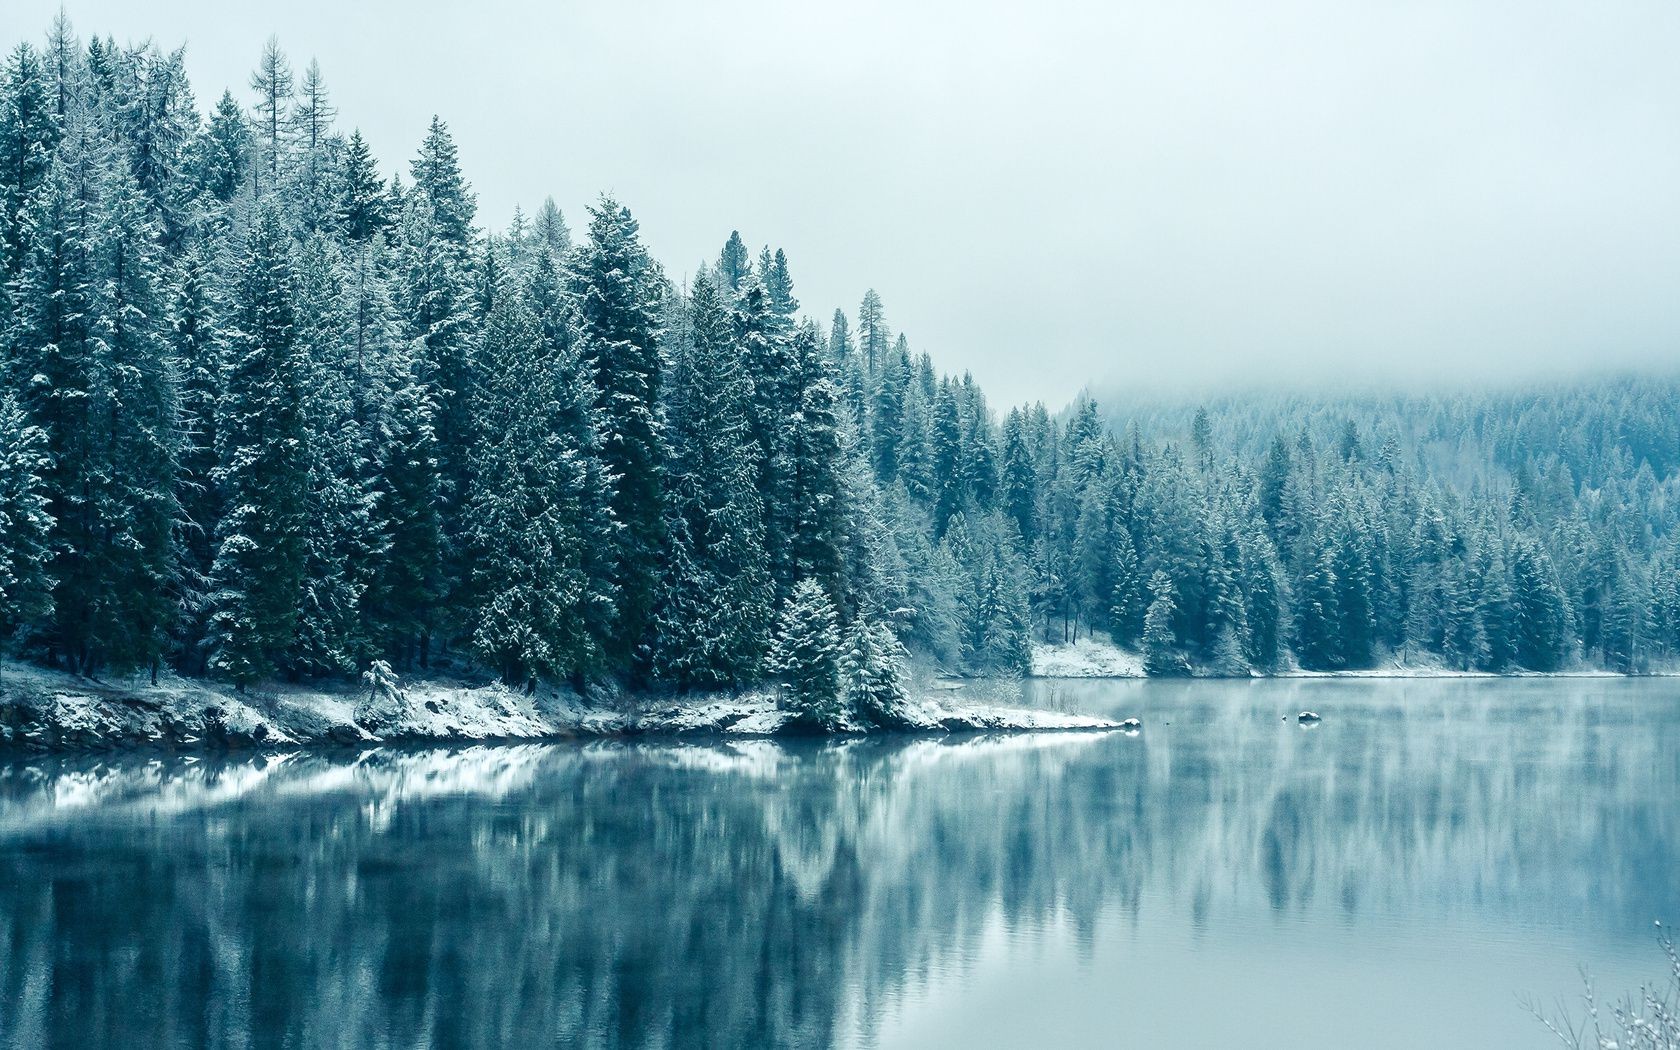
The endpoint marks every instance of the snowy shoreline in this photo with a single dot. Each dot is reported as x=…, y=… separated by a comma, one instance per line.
x=1097, y=659
x=50, y=711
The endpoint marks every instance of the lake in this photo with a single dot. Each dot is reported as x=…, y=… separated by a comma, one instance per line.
x=1398, y=876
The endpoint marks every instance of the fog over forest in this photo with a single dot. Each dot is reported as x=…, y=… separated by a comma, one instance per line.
x=1203, y=194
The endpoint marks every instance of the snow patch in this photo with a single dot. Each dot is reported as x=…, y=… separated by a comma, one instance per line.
x=1087, y=658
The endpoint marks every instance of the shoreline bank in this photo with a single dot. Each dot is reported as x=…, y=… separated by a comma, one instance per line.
x=46, y=711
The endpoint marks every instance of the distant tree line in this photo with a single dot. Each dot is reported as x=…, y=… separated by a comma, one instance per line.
x=265, y=412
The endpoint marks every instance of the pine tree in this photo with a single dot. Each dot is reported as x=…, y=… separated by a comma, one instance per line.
x=873, y=334
x=530, y=586
x=52, y=362
x=805, y=656
x=619, y=291
x=262, y=543
x=437, y=177
x=25, y=526
x=1318, y=617
x=811, y=461
x=401, y=605
x=311, y=120
x=1351, y=564
x=1542, y=620
x=1161, y=653
x=733, y=263
x=340, y=537
x=871, y=673
x=28, y=137
x=1263, y=599
x=135, y=407
x=779, y=284
x=434, y=303
x=223, y=152
x=550, y=233
x=1129, y=600
x=363, y=210
x=715, y=593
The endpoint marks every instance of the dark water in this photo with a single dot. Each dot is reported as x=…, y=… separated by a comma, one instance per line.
x=1395, y=877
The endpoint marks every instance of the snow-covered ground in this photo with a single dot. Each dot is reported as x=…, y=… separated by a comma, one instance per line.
x=52, y=710
x=1099, y=658
x=1086, y=658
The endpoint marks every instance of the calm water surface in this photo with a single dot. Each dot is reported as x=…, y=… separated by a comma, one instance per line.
x=1395, y=877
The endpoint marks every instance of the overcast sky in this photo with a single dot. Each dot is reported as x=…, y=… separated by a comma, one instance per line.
x=1058, y=192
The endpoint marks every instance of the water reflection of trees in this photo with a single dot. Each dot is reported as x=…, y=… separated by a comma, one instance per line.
x=751, y=894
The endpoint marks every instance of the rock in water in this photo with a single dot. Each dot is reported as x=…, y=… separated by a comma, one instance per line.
x=1308, y=717
x=1131, y=725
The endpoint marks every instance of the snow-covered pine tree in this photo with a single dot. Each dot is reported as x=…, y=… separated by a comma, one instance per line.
x=873, y=335
x=619, y=290
x=578, y=423
x=25, y=526
x=221, y=156
x=134, y=407
x=715, y=593
x=529, y=591
x=1318, y=617
x=550, y=233
x=28, y=137
x=400, y=607
x=806, y=654
x=312, y=184
x=263, y=471
x=363, y=209
x=1161, y=652
x=435, y=303
x=340, y=538
x=871, y=669
x=734, y=263
x=436, y=170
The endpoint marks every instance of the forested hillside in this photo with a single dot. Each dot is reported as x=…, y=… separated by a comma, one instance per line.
x=267, y=412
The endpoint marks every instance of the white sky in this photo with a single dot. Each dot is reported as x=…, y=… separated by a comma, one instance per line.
x=1059, y=192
